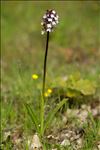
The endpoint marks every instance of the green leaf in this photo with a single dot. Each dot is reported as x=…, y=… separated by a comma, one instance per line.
x=53, y=112
x=86, y=87
x=32, y=116
x=72, y=93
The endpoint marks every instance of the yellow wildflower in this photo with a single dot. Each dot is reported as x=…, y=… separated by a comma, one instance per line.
x=46, y=94
x=35, y=76
x=49, y=91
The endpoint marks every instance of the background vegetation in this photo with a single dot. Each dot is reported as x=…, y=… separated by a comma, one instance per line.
x=74, y=48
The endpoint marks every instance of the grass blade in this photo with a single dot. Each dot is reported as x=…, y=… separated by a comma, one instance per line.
x=53, y=112
x=32, y=116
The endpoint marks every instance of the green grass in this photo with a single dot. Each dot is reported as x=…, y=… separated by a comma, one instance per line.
x=22, y=54
x=91, y=134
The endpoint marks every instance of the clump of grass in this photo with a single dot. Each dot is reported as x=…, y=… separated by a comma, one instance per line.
x=92, y=136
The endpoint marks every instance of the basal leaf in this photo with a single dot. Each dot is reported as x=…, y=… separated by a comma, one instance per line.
x=86, y=87
x=53, y=112
x=32, y=116
x=72, y=93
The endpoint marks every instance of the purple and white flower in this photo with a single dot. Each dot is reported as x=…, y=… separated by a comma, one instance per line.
x=49, y=21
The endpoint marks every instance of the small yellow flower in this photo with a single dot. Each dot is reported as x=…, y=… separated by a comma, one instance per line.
x=49, y=91
x=46, y=94
x=35, y=76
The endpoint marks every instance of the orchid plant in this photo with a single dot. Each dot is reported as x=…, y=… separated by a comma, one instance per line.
x=49, y=22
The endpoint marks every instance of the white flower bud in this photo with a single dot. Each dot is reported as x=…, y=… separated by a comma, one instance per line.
x=44, y=16
x=42, y=32
x=53, y=23
x=53, y=12
x=57, y=16
x=57, y=22
x=42, y=23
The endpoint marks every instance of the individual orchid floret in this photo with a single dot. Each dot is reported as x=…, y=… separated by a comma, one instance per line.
x=49, y=21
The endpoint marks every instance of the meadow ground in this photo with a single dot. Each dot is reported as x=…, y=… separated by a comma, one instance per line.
x=74, y=50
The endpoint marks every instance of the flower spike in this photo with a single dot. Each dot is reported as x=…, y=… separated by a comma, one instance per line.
x=49, y=21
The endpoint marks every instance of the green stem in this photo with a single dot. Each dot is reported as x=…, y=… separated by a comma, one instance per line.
x=43, y=88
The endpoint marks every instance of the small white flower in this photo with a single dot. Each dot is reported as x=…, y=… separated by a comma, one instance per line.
x=56, y=18
x=42, y=32
x=47, y=15
x=50, y=19
x=52, y=16
x=48, y=30
x=49, y=26
x=53, y=23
